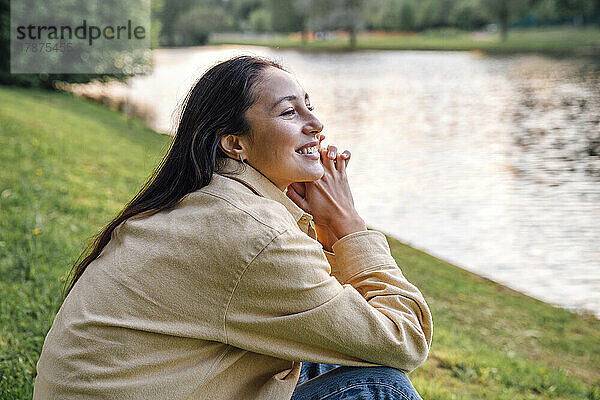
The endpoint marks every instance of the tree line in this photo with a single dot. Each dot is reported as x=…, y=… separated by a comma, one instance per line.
x=189, y=22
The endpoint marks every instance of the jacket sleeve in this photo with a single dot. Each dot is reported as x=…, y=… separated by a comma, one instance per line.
x=287, y=305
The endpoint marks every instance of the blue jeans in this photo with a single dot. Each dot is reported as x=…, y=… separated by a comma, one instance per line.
x=335, y=382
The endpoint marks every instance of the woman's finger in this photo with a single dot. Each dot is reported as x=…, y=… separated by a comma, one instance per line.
x=326, y=160
x=345, y=159
x=332, y=152
x=340, y=162
x=332, y=155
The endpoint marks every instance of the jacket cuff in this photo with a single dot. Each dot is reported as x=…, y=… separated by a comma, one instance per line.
x=358, y=252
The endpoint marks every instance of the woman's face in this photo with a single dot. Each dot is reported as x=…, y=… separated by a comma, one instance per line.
x=281, y=122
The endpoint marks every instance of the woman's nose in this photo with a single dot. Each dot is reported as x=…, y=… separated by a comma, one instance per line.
x=313, y=126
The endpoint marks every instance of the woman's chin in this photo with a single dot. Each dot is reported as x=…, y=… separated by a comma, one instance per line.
x=312, y=174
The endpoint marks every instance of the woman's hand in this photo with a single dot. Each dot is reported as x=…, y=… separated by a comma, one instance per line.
x=329, y=199
x=324, y=234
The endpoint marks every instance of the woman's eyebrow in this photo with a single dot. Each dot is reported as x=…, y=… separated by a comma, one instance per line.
x=289, y=97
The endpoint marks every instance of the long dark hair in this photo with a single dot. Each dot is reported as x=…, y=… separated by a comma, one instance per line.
x=215, y=106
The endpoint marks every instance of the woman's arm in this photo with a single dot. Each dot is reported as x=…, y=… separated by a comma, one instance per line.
x=287, y=305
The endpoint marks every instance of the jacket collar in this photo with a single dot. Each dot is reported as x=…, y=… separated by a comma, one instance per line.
x=262, y=186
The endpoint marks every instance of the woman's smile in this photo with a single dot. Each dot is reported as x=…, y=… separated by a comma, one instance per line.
x=309, y=150
x=312, y=156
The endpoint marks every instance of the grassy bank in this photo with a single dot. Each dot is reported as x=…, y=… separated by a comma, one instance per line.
x=559, y=41
x=68, y=165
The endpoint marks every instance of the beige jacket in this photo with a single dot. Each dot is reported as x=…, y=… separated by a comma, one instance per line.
x=222, y=297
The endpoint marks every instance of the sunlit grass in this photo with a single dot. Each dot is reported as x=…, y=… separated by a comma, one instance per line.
x=67, y=166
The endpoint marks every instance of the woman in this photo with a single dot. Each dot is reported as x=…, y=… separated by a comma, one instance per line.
x=240, y=268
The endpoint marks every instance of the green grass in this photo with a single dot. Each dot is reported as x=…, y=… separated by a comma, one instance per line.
x=556, y=40
x=67, y=166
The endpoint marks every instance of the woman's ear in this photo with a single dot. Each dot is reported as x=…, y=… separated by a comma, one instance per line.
x=232, y=146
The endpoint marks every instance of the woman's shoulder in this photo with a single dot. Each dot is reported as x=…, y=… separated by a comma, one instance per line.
x=218, y=222
x=231, y=201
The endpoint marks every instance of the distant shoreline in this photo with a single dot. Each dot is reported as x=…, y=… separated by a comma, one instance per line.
x=562, y=41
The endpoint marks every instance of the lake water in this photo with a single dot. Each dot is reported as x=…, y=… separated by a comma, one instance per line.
x=491, y=163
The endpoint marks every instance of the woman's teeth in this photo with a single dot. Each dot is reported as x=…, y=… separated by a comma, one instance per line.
x=307, y=150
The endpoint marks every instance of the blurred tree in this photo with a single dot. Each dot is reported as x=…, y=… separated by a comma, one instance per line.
x=286, y=16
x=259, y=20
x=337, y=14
x=499, y=9
x=469, y=15
x=575, y=8
x=156, y=7
x=193, y=27
x=4, y=40
x=241, y=10
x=391, y=15
x=407, y=15
x=546, y=10
x=372, y=14
x=169, y=15
x=73, y=14
x=435, y=13
x=303, y=8
x=502, y=11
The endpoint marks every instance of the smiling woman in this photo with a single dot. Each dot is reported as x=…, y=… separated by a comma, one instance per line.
x=283, y=123
x=241, y=270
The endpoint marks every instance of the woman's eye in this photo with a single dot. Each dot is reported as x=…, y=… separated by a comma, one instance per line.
x=292, y=111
